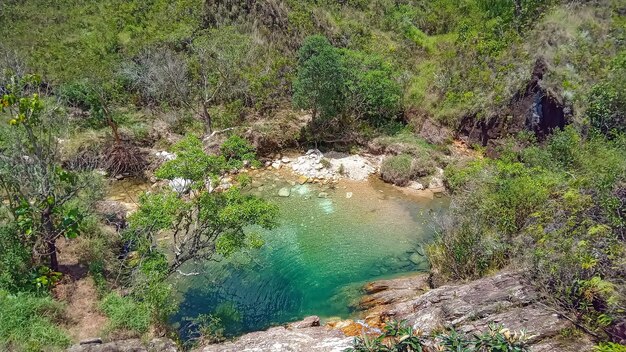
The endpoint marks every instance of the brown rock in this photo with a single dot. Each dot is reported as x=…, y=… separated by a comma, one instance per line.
x=435, y=132
x=305, y=323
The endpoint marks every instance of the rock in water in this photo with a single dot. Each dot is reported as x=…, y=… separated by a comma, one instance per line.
x=415, y=259
x=302, y=180
x=348, y=195
x=322, y=195
x=284, y=192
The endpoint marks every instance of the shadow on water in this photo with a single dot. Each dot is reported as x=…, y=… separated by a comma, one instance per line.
x=317, y=260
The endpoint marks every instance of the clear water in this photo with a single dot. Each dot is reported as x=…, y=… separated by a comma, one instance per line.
x=317, y=260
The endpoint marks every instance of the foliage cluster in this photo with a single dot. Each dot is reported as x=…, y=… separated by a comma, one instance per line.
x=557, y=209
x=398, y=337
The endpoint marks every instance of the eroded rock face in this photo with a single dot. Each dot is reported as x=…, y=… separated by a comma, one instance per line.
x=305, y=335
x=506, y=298
x=533, y=109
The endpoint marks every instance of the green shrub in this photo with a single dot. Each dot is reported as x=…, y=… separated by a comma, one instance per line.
x=30, y=323
x=126, y=314
x=396, y=336
x=236, y=150
x=399, y=337
x=403, y=168
x=15, y=261
x=397, y=169
x=191, y=161
x=607, y=101
x=609, y=347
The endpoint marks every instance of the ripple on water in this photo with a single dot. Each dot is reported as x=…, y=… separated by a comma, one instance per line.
x=317, y=259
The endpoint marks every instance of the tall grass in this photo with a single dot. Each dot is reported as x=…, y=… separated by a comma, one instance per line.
x=30, y=323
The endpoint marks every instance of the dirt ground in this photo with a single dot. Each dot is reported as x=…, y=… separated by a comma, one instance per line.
x=78, y=291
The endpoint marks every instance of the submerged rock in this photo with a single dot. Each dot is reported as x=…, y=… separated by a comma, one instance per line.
x=302, y=180
x=416, y=259
x=284, y=192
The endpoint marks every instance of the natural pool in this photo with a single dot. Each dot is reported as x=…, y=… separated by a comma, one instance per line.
x=317, y=260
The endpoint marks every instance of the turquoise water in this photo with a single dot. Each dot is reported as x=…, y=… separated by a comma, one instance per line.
x=317, y=260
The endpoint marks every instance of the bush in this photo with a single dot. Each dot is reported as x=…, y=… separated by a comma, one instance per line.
x=403, y=168
x=609, y=347
x=397, y=169
x=30, y=323
x=558, y=214
x=398, y=337
x=236, y=150
x=607, y=101
x=15, y=261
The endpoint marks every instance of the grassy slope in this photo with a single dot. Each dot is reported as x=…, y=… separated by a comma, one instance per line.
x=455, y=58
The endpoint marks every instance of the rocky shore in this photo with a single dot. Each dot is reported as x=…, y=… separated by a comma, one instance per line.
x=505, y=298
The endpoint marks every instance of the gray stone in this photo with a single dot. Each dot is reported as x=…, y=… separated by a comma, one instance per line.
x=131, y=345
x=284, y=339
x=180, y=185
x=506, y=298
x=284, y=192
x=95, y=340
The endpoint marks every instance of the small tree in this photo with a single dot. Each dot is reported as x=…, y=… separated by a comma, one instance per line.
x=215, y=71
x=96, y=96
x=39, y=192
x=319, y=84
x=210, y=223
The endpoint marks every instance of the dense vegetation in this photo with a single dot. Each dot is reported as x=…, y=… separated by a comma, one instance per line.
x=91, y=85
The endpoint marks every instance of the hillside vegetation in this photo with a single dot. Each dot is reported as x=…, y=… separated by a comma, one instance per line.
x=91, y=86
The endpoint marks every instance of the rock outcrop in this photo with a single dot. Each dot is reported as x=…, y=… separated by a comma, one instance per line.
x=132, y=345
x=306, y=335
x=506, y=298
x=533, y=109
x=334, y=165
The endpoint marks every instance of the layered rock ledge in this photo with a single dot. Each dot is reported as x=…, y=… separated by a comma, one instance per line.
x=506, y=298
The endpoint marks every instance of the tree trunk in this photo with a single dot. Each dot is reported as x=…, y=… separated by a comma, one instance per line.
x=206, y=116
x=50, y=238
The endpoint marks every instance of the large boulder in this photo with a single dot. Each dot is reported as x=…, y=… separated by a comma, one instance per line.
x=296, y=337
x=506, y=298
